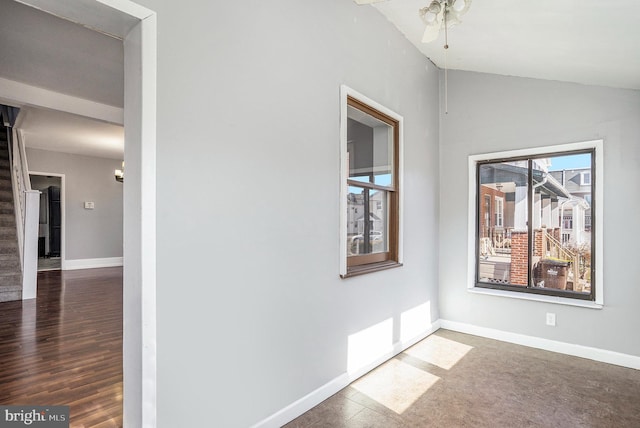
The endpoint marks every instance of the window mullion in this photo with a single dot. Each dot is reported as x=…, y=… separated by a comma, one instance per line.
x=530, y=237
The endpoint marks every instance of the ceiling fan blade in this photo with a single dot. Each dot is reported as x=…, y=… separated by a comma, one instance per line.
x=431, y=32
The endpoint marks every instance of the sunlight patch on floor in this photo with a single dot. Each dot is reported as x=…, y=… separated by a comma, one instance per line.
x=441, y=352
x=396, y=385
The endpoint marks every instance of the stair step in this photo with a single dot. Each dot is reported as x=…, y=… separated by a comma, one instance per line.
x=9, y=267
x=7, y=233
x=6, y=196
x=9, y=258
x=11, y=282
x=6, y=208
x=10, y=295
x=7, y=220
x=11, y=287
x=8, y=246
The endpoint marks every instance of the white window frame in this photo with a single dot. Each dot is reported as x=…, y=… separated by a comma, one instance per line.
x=598, y=147
x=583, y=180
x=345, y=92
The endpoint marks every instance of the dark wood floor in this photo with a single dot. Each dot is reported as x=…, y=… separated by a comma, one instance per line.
x=65, y=347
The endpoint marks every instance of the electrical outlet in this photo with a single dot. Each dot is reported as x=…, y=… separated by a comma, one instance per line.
x=89, y=205
x=551, y=319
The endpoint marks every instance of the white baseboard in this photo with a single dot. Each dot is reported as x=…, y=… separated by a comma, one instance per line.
x=317, y=396
x=596, y=354
x=91, y=263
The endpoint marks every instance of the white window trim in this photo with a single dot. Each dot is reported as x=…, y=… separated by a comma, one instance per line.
x=584, y=182
x=598, y=146
x=345, y=92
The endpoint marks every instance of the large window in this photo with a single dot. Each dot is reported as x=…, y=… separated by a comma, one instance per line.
x=536, y=222
x=371, y=186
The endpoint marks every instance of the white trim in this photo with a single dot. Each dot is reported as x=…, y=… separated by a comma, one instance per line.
x=317, y=396
x=536, y=297
x=598, y=146
x=75, y=264
x=30, y=256
x=344, y=170
x=596, y=354
x=139, y=306
x=63, y=213
x=21, y=94
x=129, y=8
x=305, y=403
x=147, y=219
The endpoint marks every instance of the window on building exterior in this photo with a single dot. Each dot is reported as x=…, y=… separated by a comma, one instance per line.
x=540, y=237
x=499, y=211
x=372, y=186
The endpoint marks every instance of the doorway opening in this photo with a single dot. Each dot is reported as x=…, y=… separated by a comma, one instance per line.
x=50, y=223
x=136, y=26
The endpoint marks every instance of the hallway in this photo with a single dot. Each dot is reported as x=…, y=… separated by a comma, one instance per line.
x=65, y=347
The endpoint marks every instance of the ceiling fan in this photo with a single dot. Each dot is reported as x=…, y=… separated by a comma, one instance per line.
x=439, y=13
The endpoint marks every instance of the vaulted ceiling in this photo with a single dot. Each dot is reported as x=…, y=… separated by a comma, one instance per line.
x=585, y=41
x=592, y=42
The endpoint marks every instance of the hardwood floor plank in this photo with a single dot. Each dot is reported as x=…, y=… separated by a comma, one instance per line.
x=65, y=347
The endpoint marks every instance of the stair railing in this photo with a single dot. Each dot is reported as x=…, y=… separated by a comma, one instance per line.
x=554, y=248
x=27, y=205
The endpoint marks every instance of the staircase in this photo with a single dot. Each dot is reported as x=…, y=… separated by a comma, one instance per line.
x=10, y=269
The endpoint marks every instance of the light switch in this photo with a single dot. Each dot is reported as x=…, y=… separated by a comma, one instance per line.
x=89, y=205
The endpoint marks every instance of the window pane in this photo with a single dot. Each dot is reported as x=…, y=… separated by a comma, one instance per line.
x=370, y=148
x=562, y=254
x=367, y=221
x=502, y=223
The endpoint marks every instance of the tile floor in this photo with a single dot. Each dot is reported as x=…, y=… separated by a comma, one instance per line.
x=457, y=380
x=49, y=263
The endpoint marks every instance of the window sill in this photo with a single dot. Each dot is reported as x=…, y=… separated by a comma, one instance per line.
x=374, y=267
x=537, y=297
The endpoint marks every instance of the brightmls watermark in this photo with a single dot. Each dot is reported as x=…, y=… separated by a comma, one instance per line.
x=34, y=416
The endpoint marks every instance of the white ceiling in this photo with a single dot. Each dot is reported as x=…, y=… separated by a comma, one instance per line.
x=65, y=132
x=591, y=42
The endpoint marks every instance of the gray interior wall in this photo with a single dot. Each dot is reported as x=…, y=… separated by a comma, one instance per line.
x=489, y=113
x=89, y=234
x=74, y=60
x=252, y=313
